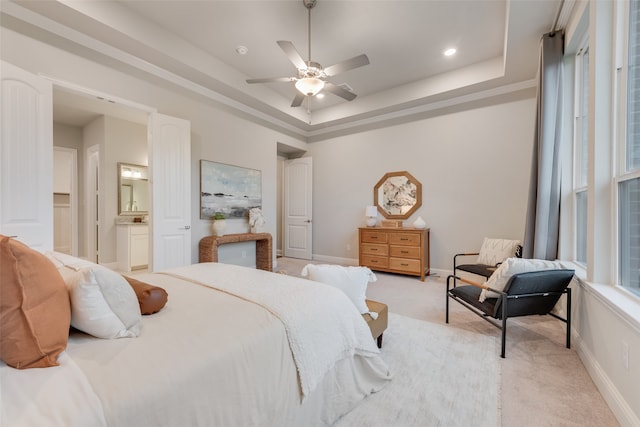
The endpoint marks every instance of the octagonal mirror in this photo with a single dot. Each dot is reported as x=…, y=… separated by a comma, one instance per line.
x=397, y=195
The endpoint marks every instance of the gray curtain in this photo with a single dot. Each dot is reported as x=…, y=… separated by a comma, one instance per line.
x=543, y=210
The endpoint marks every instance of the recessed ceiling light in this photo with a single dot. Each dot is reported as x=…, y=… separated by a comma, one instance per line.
x=242, y=50
x=450, y=51
x=320, y=95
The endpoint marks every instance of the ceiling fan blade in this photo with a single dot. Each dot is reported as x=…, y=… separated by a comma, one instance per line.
x=349, y=64
x=337, y=90
x=293, y=54
x=297, y=101
x=271, y=80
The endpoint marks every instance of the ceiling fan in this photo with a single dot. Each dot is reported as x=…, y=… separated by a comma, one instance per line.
x=312, y=77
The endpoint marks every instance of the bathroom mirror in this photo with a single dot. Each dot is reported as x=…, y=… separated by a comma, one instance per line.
x=397, y=195
x=133, y=189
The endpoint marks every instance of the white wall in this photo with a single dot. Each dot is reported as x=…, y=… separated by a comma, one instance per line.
x=603, y=329
x=125, y=142
x=119, y=141
x=227, y=139
x=474, y=169
x=93, y=135
x=216, y=134
x=605, y=317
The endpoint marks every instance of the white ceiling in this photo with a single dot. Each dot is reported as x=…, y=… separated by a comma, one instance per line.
x=497, y=43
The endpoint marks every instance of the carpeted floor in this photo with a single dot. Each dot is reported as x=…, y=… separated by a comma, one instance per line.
x=542, y=383
x=428, y=388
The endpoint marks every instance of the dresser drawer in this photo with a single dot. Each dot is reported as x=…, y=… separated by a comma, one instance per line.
x=374, y=249
x=373, y=236
x=375, y=261
x=404, y=251
x=395, y=250
x=409, y=239
x=402, y=264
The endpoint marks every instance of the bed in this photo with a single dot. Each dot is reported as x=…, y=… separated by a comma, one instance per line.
x=232, y=347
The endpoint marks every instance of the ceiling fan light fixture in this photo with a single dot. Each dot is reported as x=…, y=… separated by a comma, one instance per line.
x=309, y=86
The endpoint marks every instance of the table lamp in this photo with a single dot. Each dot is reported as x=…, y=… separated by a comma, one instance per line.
x=372, y=215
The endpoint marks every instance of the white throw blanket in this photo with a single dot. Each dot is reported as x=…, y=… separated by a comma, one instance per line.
x=322, y=324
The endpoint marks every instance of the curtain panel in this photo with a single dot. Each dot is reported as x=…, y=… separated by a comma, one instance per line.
x=543, y=210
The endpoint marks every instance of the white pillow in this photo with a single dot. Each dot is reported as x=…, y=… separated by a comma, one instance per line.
x=511, y=266
x=103, y=304
x=495, y=251
x=60, y=260
x=350, y=280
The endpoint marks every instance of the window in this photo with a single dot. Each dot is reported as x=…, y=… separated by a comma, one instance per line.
x=628, y=176
x=633, y=90
x=581, y=153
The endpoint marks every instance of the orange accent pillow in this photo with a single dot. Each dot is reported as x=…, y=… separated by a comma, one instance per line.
x=35, y=312
x=151, y=298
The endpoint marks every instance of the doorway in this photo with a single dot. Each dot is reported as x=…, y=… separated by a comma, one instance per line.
x=171, y=146
x=295, y=208
x=89, y=124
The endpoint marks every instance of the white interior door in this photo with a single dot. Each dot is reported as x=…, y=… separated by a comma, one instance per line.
x=26, y=157
x=298, y=225
x=170, y=181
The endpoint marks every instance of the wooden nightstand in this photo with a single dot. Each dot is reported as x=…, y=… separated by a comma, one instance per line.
x=395, y=250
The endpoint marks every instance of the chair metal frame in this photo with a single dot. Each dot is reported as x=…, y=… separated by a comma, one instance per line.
x=478, y=269
x=488, y=269
x=507, y=302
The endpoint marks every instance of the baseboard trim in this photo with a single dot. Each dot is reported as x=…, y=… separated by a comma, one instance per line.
x=439, y=272
x=110, y=265
x=433, y=272
x=618, y=405
x=335, y=260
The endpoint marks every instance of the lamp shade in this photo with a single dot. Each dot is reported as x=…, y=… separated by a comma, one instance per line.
x=309, y=85
x=371, y=211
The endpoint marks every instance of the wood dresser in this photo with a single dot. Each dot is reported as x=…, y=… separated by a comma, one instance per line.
x=395, y=250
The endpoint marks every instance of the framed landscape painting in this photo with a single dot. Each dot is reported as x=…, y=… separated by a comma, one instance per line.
x=229, y=190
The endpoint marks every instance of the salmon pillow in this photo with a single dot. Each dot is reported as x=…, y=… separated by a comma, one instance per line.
x=151, y=298
x=35, y=312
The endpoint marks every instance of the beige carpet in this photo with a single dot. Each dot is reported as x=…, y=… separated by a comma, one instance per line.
x=435, y=379
x=542, y=382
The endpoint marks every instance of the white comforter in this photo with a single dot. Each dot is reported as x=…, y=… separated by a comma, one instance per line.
x=58, y=396
x=322, y=324
x=208, y=358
